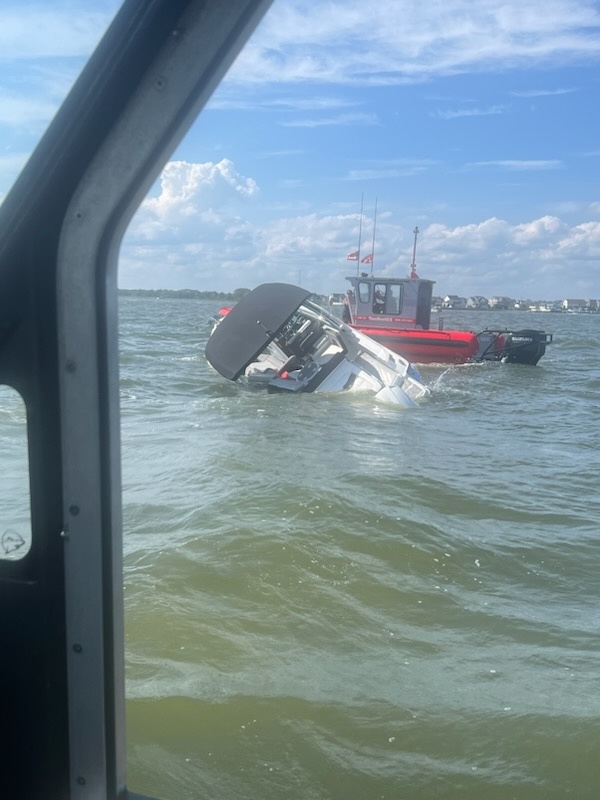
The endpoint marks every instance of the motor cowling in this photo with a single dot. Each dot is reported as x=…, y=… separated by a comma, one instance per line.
x=525, y=346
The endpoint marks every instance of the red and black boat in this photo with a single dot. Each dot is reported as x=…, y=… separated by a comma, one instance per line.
x=396, y=312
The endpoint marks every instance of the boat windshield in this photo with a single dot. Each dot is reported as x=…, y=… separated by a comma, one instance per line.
x=317, y=312
x=306, y=330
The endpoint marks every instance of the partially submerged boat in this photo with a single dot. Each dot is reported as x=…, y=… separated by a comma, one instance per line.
x=396, y=312
x=277, y=337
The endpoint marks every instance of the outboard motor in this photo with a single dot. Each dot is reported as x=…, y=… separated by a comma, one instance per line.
x=512, y=347
x=525, y=347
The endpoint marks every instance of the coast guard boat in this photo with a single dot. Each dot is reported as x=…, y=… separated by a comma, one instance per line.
x=396, y=312
x=278, y=338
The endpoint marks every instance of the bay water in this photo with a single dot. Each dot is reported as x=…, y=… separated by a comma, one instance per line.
x=331, y=599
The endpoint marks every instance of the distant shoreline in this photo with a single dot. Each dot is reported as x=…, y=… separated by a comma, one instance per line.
x=233, y=297
x=184, y=294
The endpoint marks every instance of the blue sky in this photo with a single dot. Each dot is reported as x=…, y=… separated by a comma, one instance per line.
x=478, y=122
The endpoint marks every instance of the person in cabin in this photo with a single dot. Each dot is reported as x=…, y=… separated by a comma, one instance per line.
x=379, y=301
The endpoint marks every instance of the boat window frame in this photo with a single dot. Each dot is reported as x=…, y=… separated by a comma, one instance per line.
x=109, y=192
x=62, y=223
x=363, y=292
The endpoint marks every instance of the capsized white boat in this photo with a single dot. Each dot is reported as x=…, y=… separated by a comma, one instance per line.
x=277, y=337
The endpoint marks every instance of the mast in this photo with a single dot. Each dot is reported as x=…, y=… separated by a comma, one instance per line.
x=362, y=197
x=413, y=266
x=373, y=247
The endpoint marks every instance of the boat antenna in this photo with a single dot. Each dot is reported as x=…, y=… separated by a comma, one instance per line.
x=362, y=196
x=413, y=266
x=372, y=257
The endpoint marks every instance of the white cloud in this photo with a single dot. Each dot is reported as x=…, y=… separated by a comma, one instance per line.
x=535, y=259
x=17, y=110
x=542, y=92
x=471, y=112
x=338, y=119
x=384, y=42
x=390, y=168
x=582, y=241
x=545, y=229
x=33, y=30
x=42, y=50
x=190, y=194
x=198, y=232
x=223, y=101
x=520, y=165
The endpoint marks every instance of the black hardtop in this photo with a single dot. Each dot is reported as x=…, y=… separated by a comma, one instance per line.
x=243, y=334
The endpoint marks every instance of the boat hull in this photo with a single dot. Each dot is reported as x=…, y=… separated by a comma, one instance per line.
x=426, y=347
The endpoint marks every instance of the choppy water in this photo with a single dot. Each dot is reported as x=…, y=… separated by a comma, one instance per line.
x=327, y=599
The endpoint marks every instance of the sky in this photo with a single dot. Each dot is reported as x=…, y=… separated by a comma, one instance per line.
x=477, y=122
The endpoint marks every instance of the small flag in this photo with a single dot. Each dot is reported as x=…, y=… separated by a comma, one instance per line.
x=367, y=259
x=352, y=256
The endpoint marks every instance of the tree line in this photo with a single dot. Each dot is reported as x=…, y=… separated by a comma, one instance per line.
x=194, y=294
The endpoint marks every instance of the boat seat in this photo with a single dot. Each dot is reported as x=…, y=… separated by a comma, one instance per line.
x=311, y=337
x=301, y=342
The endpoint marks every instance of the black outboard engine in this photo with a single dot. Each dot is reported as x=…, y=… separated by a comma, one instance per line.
x=526, y=347
x=512, y=347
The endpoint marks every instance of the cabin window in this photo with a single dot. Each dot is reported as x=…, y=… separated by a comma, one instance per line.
x=424, y=305
x=364, y=292
x=15, y=529
x=393, y=303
